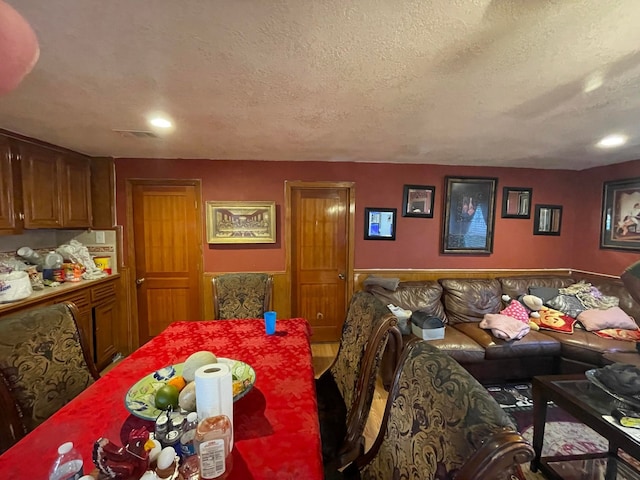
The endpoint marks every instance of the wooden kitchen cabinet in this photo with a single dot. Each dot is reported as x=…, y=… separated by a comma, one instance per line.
x=99, y=316
x=104, y=321
x=10, y=191
x=56, y=188
x=40, y=186
x=75, y=189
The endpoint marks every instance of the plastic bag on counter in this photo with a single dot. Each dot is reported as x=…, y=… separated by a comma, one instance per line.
x=8, y=265
x=14, y=286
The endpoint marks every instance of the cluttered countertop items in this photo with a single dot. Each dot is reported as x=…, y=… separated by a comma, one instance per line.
x=30, y=271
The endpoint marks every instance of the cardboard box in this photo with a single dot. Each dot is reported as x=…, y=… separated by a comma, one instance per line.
x=427, y=333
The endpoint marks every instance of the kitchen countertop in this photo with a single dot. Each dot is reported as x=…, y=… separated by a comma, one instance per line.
x=52, y=292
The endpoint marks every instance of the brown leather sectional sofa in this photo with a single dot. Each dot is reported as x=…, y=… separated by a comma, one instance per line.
x=462, y=303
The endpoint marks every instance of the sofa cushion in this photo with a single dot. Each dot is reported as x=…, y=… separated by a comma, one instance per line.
x=583, y=346
x=533, y=344
x=543, y=293
x=423, y=296
x=615, y=288
x=615, y=317
x=619, y=334
x=459, y=346
x=567, y=304
x=468, y=299
x=516, y=286
x=555, y=320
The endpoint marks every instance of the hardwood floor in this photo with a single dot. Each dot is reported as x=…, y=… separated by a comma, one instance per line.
x=323, y=355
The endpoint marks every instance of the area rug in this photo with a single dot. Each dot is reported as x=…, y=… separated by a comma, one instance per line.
x=563, y=434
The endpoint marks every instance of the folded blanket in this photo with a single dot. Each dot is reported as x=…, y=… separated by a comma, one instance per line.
x=504, y=327
x=590, y=296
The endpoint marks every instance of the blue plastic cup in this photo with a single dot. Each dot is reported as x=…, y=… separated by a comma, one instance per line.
x=270, y=322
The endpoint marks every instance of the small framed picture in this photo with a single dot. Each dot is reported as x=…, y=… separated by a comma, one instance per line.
x=380, y=223
x=417, y=201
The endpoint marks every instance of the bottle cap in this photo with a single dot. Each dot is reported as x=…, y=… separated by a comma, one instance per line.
x=65, y=448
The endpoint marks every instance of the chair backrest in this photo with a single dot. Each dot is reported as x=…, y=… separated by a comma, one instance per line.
x=43, y=364
x=440, y=423
x=365, y=333
x=241, y=295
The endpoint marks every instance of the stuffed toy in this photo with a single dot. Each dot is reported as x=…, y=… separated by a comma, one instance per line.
x=526, y=306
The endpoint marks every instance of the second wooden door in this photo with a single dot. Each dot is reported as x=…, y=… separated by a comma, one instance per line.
x=168, y=258
x=321, y=255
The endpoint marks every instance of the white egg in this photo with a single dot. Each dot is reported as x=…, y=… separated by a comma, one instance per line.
x=149, y=475
x=166, y=457
x=155, y=451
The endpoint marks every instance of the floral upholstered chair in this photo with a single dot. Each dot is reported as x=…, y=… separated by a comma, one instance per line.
x=43, y=365
x=440, y=424
x=345, y=390
x=241, y=295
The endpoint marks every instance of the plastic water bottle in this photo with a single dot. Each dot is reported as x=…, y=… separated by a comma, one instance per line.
x=52, y=262
x=68, y=465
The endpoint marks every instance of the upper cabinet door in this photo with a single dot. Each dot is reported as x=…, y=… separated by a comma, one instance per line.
x=75, y=190
x=10, y=204
x=41, y=193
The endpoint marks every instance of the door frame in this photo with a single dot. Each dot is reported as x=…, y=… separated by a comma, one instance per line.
x=290, y=185
x=131, y=253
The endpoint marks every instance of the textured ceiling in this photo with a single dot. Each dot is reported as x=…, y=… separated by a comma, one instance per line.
x=464, y=82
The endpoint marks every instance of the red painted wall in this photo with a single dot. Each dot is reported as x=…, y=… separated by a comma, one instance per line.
x=417, y=242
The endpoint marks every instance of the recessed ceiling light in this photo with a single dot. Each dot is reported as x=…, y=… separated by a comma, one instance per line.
x=593, y=82
x=160, y=122
x=611, y=141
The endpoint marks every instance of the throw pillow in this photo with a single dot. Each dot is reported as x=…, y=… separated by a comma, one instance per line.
x=614, y=317
x=568, y=304
x=619, y=334
x=554, y=320
x=516, y=310
x=544, y=293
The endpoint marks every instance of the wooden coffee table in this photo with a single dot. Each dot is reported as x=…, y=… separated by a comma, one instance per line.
x=587, y=403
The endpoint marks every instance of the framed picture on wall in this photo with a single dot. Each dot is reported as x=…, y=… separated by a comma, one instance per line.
x=380, y=223
x=417, y=201
x=620, y=226
x=469, y=212
x=241, y=222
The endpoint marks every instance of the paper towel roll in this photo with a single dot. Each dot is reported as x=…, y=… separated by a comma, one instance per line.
x=214, y=391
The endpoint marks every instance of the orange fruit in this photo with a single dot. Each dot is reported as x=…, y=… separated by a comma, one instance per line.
x=179, y=382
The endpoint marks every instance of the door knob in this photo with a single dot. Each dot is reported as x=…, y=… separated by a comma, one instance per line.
x=140, y=281
x=341, y=276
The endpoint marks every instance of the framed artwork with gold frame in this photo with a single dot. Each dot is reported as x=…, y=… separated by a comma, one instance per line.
x=241, y=222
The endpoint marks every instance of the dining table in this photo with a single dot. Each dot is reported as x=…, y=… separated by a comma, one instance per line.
x=275, y=424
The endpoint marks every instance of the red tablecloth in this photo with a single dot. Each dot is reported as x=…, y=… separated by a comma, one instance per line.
x=276, y=424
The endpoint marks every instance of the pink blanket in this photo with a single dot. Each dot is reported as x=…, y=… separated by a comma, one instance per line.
x=504, y=327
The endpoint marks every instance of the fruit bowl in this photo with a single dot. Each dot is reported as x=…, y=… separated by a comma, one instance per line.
x=140, y=399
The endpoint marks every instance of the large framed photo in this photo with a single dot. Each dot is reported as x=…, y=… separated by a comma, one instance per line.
x=380, y=223
x=469, y=212
x=241, y=222
x=620, y=227
x=417, y=201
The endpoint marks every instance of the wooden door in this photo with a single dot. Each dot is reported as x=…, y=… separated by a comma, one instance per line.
x=321, y=253
x=40, y=186
x=168, y=253
x=75, y=191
